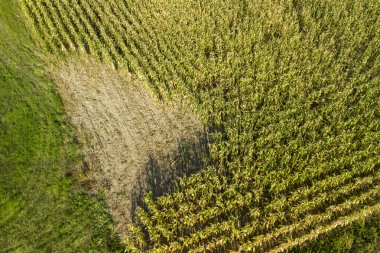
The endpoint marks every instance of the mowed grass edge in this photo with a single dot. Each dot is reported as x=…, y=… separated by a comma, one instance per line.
x=42, y=208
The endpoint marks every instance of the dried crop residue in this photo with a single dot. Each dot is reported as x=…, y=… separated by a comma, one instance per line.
x=121, y=125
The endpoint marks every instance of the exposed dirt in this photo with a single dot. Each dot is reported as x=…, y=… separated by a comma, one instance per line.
x=121, y=127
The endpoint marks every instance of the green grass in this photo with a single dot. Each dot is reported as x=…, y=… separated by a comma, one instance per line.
x=41, y=209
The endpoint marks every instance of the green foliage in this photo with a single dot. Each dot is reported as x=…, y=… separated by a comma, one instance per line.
x=360, y=237
x=41, y=208
x=289, y=93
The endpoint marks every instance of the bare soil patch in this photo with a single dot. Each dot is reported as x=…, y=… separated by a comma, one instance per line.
x=122, y=127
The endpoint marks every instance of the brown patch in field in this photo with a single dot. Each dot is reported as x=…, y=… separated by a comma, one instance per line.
x=121, y=126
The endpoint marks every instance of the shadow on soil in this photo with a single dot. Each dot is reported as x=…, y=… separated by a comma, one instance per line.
x=160, y=176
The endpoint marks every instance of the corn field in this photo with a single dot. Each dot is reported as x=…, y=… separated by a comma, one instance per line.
x=288, y=90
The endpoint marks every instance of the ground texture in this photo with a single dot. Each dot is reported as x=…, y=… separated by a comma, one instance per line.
x=122, y=127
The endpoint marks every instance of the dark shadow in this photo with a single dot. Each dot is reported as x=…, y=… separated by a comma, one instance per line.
x=161, y=175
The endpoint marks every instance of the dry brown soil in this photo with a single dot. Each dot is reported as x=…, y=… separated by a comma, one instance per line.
x=120, y=125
